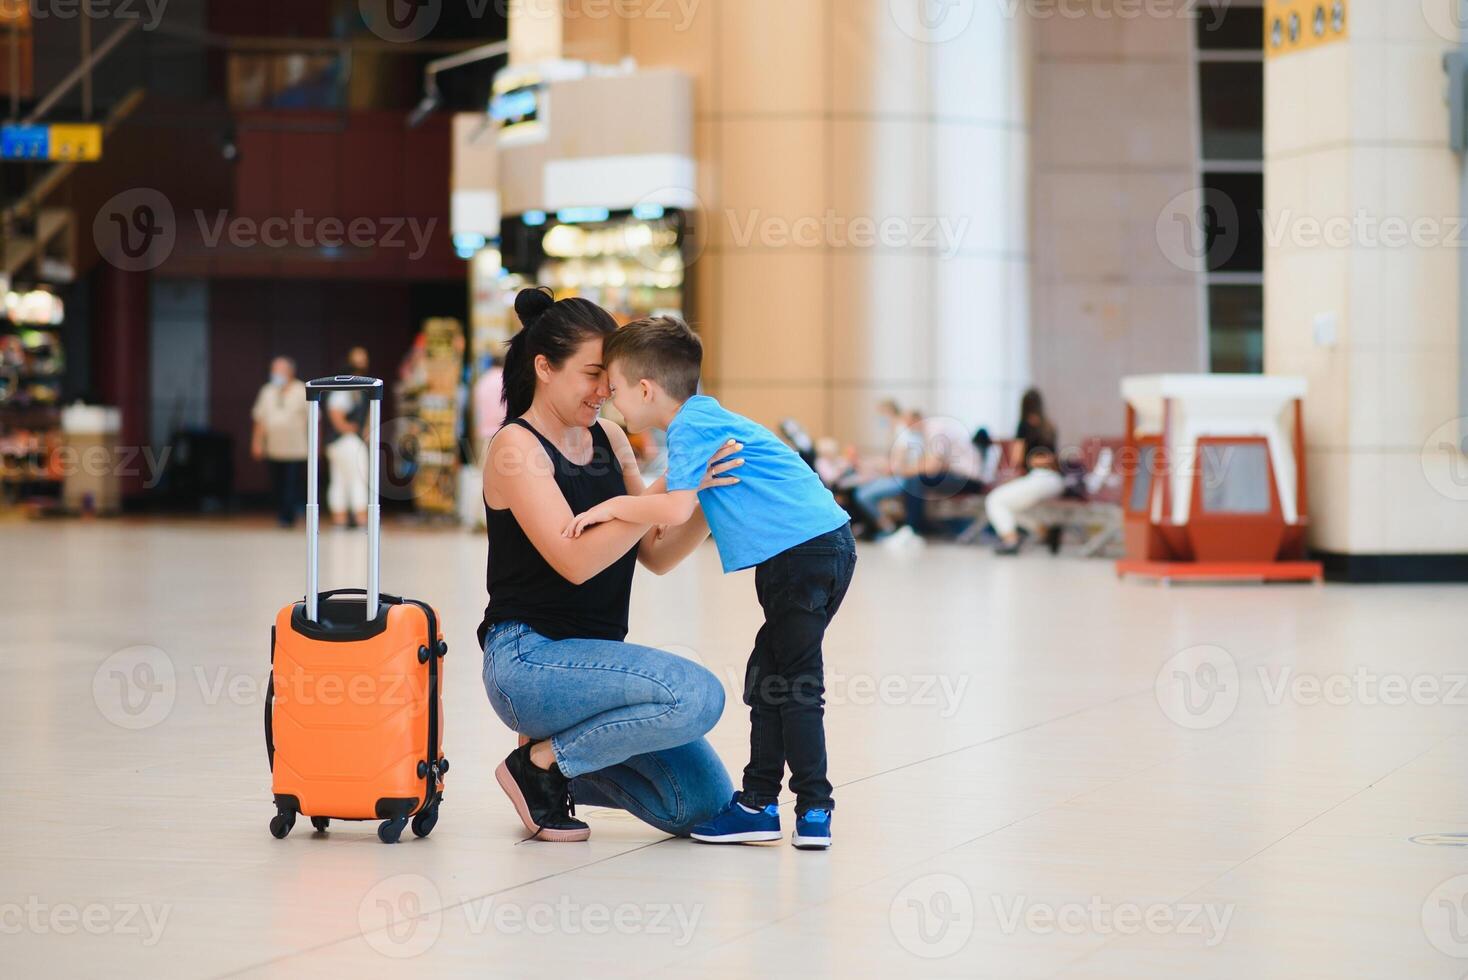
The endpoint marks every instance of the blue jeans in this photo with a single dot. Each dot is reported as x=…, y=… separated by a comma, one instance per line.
x=869, y=496
x=626, y=722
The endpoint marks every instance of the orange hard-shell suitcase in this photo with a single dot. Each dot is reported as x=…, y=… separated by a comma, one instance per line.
x=354, y=711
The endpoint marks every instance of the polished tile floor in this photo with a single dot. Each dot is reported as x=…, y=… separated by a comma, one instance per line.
x=1041, y=772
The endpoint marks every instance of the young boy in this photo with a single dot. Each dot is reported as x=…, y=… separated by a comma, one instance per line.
x=780, y=519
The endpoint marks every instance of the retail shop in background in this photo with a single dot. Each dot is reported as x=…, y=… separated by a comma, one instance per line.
x=32, y=435
x=578, y=177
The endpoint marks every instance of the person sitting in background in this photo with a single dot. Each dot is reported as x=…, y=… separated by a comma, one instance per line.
x=1034, y=452
x=346, y=454
x=951, y=465
x=904, y=458
x=838, y=470
x=833, y=466
x=279, y=437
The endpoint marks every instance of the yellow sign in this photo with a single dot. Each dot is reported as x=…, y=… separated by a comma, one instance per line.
x=1297, y=25
x=75, y=142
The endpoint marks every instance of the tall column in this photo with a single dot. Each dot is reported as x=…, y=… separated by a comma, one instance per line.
x=1115, y=141
x=864, y=174
x=1363, y=225
x=535, y=31
x=121, y=351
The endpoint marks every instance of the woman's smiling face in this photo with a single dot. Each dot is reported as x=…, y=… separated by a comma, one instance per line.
x=576, y=389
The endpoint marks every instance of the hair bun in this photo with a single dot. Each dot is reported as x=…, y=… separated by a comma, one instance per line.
x=531, y=303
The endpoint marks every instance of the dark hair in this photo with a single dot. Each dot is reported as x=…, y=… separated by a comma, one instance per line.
x=547, y=327
x=661, y=348
x=1032, y=405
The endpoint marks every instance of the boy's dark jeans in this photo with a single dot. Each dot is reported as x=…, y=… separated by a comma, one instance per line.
x=800, y=590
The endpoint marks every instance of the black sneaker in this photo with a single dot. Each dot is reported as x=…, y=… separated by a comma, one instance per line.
x=542, y=798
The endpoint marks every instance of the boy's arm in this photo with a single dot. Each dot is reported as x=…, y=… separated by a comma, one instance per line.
x=650, y=508
x=662, y=548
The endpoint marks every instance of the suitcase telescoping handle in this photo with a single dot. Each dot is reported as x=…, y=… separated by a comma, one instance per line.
x=371, y=388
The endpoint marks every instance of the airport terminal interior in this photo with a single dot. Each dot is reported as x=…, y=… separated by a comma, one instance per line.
x=1126, y=339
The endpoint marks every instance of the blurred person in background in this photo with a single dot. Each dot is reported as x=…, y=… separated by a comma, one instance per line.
x=905, y=454
x=839, y=470
x=279, y=437
x=833, y=465
x=951, y=464
x=489, y=409
x=346, y=453
x=1034, y=453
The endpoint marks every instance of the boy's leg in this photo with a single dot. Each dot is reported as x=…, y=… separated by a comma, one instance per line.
x=808, y=585
x=763, y=692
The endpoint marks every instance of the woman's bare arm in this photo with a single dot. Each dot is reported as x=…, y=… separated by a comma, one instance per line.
x=663, y=549
x=518, y=474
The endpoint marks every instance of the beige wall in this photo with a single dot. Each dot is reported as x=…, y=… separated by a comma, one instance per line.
x=1114, y=144
x=812, y=114
x=1370, y=142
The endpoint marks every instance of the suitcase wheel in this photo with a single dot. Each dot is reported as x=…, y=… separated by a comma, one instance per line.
x=390, y=830
x=281, y=824
x=424, y=822
x=321, y=823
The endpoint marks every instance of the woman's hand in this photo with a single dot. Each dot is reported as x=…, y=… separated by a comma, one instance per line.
x=719, y=464
x=599, y=514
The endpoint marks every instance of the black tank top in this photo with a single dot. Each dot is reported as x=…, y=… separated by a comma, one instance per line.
x=524, y=588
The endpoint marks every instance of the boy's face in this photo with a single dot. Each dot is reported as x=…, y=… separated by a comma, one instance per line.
x=631, y=398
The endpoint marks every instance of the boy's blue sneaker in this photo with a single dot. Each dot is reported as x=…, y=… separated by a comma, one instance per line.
x=813, y=830
x=738, y=824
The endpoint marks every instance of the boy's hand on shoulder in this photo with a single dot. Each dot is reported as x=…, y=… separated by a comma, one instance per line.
x=719, y=465
x=600, y=514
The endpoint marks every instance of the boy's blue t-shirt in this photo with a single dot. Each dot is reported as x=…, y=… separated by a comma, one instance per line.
x=779, y=501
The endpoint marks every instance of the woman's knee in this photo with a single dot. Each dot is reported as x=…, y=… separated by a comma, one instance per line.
x=698, y=701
